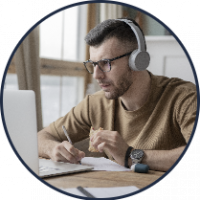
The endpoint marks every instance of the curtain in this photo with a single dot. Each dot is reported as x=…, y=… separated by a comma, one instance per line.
x=27, y=64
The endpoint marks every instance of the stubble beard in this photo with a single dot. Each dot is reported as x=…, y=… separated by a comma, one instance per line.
x=122, y=87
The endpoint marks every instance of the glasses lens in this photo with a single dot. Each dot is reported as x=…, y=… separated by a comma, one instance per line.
x=104, y=65
x=90, y=67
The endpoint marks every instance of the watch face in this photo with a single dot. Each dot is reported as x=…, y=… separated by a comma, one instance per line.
x=137, y=154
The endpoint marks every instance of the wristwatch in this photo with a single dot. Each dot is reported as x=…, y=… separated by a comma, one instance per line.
x=136, y=155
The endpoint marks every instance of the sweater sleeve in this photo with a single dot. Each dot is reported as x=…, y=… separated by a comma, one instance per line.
x=76, y=122
x=186, y=113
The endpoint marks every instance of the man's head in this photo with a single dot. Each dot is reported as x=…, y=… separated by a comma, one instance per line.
x=108, y=40
x=113, y=28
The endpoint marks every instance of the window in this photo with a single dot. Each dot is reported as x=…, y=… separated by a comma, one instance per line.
x=62, y=51
x=58, y=36
x=59, y=95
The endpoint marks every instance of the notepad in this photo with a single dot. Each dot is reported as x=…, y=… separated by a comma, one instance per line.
x=103, y=164
x=104, y=192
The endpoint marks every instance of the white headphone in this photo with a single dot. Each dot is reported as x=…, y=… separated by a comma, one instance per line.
x=139, y=58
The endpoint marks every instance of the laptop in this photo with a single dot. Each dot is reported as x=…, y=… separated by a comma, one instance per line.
x=20, y=118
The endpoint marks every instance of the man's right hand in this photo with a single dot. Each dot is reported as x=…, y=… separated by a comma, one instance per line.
x=66, y=152
x=58, y=151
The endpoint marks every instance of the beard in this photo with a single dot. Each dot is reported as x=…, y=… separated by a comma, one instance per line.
x=122, y=86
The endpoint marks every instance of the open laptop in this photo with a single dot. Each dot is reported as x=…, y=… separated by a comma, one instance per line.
x=20, y=117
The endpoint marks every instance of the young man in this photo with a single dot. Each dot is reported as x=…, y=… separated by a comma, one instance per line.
x=136, y=109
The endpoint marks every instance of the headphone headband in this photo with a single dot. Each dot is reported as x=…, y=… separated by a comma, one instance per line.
x=139, y=58
x=138, y=34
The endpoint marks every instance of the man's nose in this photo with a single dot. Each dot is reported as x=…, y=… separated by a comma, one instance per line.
x=98, y=74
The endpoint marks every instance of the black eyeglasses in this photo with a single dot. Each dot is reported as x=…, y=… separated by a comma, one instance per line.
x=104, y=65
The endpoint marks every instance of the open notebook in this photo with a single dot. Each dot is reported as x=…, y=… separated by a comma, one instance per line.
x=20, y=121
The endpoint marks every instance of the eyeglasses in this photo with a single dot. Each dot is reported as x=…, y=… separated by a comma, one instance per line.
x=104, y=65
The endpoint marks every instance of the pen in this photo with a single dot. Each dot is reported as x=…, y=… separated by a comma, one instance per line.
x=66, y=134
x=85, y=192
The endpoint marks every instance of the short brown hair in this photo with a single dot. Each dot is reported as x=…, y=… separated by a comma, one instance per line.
x=112, y=28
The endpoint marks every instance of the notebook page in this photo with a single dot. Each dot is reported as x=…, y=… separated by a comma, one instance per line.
x=103, y=164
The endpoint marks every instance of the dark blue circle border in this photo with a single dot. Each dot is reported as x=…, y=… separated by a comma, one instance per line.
x=78, y=4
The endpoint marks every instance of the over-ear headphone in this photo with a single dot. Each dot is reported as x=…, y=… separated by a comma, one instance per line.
x=139, y=58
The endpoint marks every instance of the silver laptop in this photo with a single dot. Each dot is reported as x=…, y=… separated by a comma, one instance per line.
x=20, y=117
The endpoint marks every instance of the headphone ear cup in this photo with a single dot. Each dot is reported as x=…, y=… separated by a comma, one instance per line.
x=139, y=60
x=132, y=60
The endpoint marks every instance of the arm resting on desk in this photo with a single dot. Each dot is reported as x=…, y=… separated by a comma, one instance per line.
x=161, y=160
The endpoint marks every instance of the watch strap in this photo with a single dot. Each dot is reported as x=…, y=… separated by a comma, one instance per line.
x=127, y=156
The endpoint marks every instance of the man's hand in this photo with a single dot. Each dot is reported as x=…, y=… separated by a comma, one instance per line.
x=112, y=142
x=66, y=152
x=58, y=151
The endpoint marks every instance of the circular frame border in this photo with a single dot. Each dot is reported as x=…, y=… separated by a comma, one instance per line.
x=195, y=73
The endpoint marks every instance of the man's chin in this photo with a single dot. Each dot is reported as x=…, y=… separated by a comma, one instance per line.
x=109, y=95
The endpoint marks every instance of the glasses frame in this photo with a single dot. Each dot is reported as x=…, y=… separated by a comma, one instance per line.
x=109, y=62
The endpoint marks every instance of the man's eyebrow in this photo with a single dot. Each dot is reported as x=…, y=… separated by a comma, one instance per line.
x=101, y=59
x=106, y=58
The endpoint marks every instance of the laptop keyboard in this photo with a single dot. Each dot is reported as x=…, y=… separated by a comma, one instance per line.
x=46, y=169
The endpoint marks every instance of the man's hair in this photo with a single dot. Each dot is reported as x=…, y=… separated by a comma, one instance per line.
x=112, y=28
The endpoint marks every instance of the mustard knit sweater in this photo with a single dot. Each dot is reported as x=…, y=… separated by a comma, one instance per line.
x=164, y=122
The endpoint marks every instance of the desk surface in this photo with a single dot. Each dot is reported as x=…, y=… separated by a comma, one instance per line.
x=104, y=179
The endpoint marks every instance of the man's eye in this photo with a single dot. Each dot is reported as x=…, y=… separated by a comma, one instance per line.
x=104, y=62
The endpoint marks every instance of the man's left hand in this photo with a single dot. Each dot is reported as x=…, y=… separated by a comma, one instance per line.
x=112, y=142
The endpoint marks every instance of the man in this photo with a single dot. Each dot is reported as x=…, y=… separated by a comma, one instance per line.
x=135, y=108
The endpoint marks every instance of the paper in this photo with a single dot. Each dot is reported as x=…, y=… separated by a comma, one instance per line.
x=104, y=192
x=103, y=164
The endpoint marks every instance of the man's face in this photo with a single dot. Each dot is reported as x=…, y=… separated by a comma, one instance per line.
x=116, y=82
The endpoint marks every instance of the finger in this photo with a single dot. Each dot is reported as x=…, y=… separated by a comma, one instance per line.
x=101, y=147
x=101, y=137
x=60, y=158
x=98, y=133
x=106, y=135
x=71, y=149
x=96, y=141
x=57, y=157
x=78, y=155
x=81, y=155
x=63, y=154
x=105, y=146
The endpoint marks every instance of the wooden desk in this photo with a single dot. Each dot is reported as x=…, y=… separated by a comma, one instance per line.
x=104, y=179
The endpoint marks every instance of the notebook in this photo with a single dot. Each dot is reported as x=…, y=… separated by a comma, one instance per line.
x=20, y=123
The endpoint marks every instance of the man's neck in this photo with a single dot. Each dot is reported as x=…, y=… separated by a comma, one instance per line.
x=138, y=93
